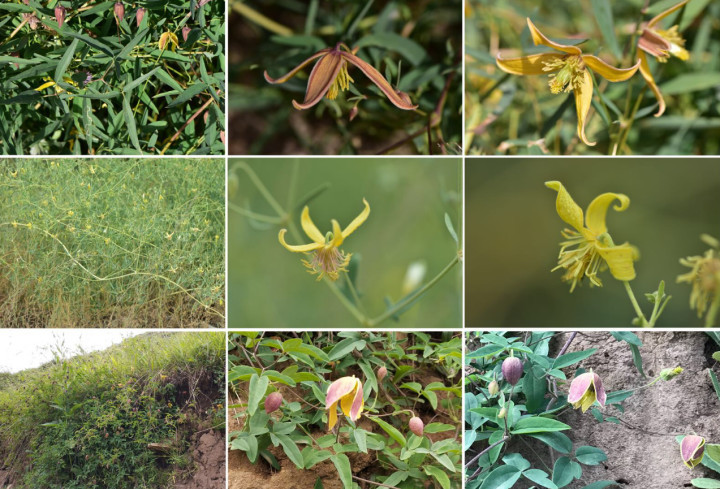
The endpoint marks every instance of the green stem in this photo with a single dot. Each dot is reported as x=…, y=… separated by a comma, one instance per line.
x=346, y=302
x=260, y=19
x=405, y=302
x=712, y=313
x=255, y=215
x=354, y=293
x=636, y=306
x=262, y=189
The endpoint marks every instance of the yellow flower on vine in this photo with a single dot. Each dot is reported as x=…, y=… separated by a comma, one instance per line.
x=588, y=248
x=568, y=70
x=660, y=44
x=704, y=277
x=327, y=259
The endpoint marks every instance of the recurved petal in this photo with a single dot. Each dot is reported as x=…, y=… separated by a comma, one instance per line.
x=361, y=218
x=338, y=389
x=566, y=207
x=332, y=416
x=297, y=248
x=579, y=386
x=321, y=78
x=295, y=70
x=600, y=393
x=310, y=228
x=337, y=234
x=399, y=99
x=647, y=75
x=667, y=12
x=609, y=72
x=583, y=99
x=528, y=65
x=619, y=259
x=352, y=404
x=597, y=211
x=540, y=38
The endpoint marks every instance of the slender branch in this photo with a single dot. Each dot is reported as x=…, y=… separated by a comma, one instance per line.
x=554, y=381
x=192, y=118
x=477, y=457
x=259, y=19
x=373, y=482
x=636, y=306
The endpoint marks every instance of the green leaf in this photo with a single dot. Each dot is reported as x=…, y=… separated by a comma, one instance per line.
x=65, y=60
x=535, y=387
x=438, y=474
x=90, y=42
x=540, y=477
x=186, y=95
x=704, y=483
x=537, y=425
x=601, y=485
x=564, y=471
x=345, y=347
x=712, y=450
x=258, y=386
x=137, y=81
x=26, y=97
x=390, y=430
x=291, y=449
x=342, y=464
x=318, y=484
x=504, y=477
x=408, y=48
x=451, y=228
x=572, y=358
x=130, y=123
x=590, y=455
x=558, y=441
x=396, y=478
x=690, y=82
x=715, y=383
x=361, y=439
x=602, y=11
x=134, y=42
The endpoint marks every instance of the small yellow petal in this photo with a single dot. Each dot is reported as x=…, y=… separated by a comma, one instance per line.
x=361, y=218
x=583, y=99
x=566, y=207
x=597, y=211
x=297, y=248
x=310, y=228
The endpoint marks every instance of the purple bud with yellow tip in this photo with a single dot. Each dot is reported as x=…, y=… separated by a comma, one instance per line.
x=416, y=425
x=273, y=402
x=139, y=15
x=512, y=369
x=119, y=10
x=692, y=449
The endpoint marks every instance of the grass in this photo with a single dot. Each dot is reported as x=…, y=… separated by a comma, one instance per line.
x=87, y=421
x=87, y=243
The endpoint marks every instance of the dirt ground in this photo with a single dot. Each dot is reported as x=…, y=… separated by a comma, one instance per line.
x=642, y=451
x=209, y=458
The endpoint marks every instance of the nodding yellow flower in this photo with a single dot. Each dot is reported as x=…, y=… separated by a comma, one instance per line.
x=660, y=44
x=704, y=276
x=589, y=248
x=330, y=76
x=568, y=72
x=327, y=259
x=349, y=392
x=168, y=37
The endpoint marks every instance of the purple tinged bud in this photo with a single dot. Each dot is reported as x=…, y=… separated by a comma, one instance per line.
x=381, y=373
x=416, y=425
x=692, y=449
x=60, y=12
x=119, y=10
x=185, y=32
x=273, y=402
x=139, y=16
x=512, y=370
x=493, y=388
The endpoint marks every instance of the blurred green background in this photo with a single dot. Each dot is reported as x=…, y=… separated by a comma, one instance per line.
x=514, y=234
x=268, y=286
x=506, y=113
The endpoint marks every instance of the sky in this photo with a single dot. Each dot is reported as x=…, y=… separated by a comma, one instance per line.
x=30, y=348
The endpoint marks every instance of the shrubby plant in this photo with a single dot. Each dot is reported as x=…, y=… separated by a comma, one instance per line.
x=366, y=391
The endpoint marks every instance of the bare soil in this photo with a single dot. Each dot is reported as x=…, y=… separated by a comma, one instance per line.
x=209, y=457
x=642, y=451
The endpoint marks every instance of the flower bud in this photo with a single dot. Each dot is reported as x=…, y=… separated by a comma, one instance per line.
x=416, y=425
x=353, y=114
x=670, y=373
x=502, y=413
x=381, y=373
x=60, y=12
x=585, y=389
x=493, y=388
x=692, y=449
x=273, y=402
x=185, y=32
x=119, y=10
x=512, y=370
x=139, y=15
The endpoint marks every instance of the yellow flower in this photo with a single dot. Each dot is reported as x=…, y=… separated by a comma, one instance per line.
x=327, y=259
x=660, y=44
x=349, y=392
x=704, y=276
x=593, y=249
x=168, y=37
x=330, y=76
x=568, y=72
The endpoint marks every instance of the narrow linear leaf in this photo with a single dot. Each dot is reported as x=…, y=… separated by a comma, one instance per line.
x=186, y=95
x=137, y=81
x=130, y=123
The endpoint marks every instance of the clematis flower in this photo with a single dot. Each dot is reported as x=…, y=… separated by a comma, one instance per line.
x=330, y=75
x=585, y=389
x=704, y=276
x=349, y=391
x=692, y=449
x=327, y=259
x=568, y=72
x=660, y=44
x=592, y=248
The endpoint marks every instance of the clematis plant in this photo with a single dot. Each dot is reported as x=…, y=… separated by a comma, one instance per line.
x=660, y=44
x=327, y=259
x=568, y=70
x=330, y=76
x=349, y=392
x=692, y=449
x=585, y=389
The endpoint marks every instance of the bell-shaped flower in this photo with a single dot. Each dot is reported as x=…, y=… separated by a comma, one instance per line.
x=692, y=448
x=585, y=389
x=568, y=70
x=327, y=259
x=330, y=75
x=660, y=44
x=589, y=248
x=349, y=392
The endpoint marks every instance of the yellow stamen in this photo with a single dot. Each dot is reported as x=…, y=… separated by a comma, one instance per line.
x=341, y=82
x=570, y=74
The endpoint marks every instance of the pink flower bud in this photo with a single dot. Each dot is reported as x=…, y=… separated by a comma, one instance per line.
x=273, y=402
x=416, y=425
x=139, y=15
x=512, y=369
x=185, y=32
x=353, y=112
x=381, y=373
x=493, y=388
x=692, y=449
x=119, y=10
x=60, y=12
